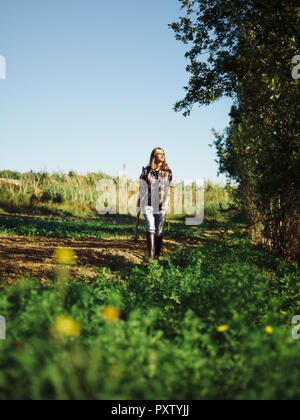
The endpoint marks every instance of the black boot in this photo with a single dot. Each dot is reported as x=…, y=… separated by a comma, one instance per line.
x=158, y=243
x=151, y=244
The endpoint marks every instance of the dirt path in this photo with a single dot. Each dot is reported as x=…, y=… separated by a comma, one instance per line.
x=34, y=255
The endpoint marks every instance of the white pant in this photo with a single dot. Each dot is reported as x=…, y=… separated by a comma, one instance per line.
x=155, y=222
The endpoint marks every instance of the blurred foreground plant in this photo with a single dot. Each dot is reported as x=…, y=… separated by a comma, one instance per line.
x=65, y=258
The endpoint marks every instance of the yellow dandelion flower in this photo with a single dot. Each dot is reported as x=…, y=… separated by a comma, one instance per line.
x=111, y=313
x=67, y=326
x=269, y=330
x=64, y=256
x=283, y=313
x=223, y=328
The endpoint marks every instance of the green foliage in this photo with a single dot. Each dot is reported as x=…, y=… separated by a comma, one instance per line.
x=60, y=194
x=251, y=62
x=212, y=209
x=56, y=227
x=58, y=199
x=46, y=197
x=10, y=174
x=166, y=344
x=33, y=200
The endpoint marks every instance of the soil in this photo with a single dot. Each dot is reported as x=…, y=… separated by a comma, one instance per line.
x=34, y=255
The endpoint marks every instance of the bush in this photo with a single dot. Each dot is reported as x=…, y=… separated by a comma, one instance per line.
x=10, y=174
x=211, y=209
x=58, y=199
x=46, y=197
x=34, y=200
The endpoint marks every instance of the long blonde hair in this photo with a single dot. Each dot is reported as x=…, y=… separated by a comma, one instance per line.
x=152, y=163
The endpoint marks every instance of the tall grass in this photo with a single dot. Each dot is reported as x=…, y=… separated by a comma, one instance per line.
x=76, y=195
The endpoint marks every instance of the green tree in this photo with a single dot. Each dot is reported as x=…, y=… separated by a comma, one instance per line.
x=244, y=49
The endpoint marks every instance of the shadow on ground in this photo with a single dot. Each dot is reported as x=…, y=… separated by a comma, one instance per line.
x=34, y=255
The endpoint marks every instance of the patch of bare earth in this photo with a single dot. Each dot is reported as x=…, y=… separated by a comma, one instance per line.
x=34, y=255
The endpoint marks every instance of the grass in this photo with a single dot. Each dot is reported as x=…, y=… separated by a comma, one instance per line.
x=66, y=339
x=57, y=227
x=165, y=344
x=74, y=195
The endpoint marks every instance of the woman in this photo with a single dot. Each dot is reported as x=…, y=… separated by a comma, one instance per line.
x=154, y=199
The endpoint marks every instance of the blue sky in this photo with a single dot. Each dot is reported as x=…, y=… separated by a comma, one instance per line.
x=91, y=86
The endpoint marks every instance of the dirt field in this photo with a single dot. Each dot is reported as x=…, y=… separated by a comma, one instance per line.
x=34, y=255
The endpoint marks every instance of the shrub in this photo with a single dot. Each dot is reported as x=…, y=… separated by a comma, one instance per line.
x=58, y=199
x=10, y=174
x=34, y=200
x=211, y=209
x=46, y=197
